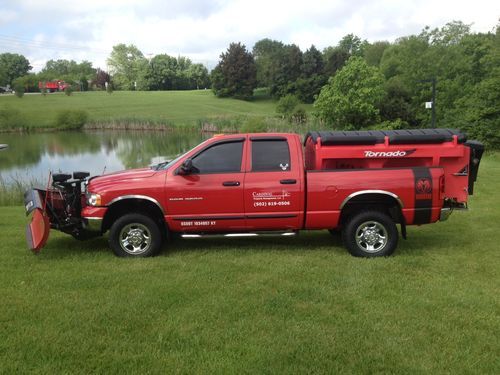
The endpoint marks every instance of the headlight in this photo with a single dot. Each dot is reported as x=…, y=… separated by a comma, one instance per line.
x=93, y=199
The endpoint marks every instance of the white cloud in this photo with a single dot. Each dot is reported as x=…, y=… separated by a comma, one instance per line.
x=203, y=29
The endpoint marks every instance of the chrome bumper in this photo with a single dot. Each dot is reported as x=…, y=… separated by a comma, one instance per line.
x=92, y=224
x=445, y=213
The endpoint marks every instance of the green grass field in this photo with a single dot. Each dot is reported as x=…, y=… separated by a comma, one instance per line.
x=264, y=305
x=178, y=107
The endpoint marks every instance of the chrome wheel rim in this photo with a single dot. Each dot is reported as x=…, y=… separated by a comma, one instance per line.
x=135, y=238
x=371, y=236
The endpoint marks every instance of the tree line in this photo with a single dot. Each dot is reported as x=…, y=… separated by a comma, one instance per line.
x=353, y=84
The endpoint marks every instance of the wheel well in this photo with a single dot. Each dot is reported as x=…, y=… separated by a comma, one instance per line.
x=372, y=201
x=135, y=205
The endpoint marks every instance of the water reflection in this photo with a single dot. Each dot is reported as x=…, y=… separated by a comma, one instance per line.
x=30, y=156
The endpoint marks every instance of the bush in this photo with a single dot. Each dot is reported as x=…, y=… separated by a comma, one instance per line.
x=19, y=91
x=254, y=125
x=299, y=116
x=11, y=119
x=286, y=105
x=68, y=91
x=71, y=119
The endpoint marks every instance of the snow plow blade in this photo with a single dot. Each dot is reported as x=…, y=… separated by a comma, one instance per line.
x=37, y=231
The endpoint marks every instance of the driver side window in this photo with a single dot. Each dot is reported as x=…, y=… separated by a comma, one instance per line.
x=219, y=158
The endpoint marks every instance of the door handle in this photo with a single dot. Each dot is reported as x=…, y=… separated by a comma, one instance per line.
x=288, y=182
x=231, y=183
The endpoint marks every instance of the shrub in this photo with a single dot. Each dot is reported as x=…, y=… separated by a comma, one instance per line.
x=286, y=105
x=11, y=119
x=71, y=119
x=19, y=90
x=254, y=125
x=299, y=116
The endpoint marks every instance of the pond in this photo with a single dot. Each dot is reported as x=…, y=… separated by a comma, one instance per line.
x=30, y=157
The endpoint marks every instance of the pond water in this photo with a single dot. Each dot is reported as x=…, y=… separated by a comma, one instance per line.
x=30, y=157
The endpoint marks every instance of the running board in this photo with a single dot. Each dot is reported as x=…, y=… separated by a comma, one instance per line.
x=263, y=234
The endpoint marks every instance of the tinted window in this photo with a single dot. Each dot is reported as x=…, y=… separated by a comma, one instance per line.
x=220, y=158
x=270, y=155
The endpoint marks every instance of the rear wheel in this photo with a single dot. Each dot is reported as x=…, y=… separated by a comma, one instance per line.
x=135, y=235
x=370, y=234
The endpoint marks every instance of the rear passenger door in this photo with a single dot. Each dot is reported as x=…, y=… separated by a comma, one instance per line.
x=273, y=191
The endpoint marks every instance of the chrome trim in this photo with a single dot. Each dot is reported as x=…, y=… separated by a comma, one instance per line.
x=137, y=197
x=445, y=213
x=361, y=192
x=92, y=224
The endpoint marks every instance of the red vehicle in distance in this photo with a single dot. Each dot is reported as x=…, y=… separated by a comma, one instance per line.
x=362, y=184
x=53, y=86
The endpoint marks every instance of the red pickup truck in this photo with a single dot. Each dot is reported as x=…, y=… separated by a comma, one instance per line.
x=361, y=183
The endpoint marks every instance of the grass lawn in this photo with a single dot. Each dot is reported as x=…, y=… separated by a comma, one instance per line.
x=169, y=106
x=261, y=305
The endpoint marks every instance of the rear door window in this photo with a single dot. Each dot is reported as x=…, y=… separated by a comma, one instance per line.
x=270, y=155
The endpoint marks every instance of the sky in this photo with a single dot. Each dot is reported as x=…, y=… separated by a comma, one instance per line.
x=202, y=30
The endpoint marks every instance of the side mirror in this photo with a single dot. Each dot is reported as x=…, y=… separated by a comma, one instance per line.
x=186, y=167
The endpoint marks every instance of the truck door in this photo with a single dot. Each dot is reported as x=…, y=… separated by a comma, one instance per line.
x=273, y=185
x=210, y=198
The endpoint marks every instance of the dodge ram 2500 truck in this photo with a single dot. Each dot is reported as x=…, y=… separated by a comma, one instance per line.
x=362, y=183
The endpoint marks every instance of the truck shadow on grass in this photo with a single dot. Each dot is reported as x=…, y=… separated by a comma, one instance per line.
x=66, y=246
x=421, y=241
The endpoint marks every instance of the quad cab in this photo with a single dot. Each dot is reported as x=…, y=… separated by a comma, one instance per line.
x=362, y=184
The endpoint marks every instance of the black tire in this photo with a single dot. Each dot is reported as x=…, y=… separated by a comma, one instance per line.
x=370, y=234
x=135, y=235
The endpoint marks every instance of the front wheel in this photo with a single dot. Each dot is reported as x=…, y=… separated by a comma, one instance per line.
x=370, y=234
x=135, y=235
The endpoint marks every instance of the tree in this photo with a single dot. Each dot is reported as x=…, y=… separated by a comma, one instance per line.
x=235, y=74
x=126, y=63
x=312, y=77
x=12, y=66
x=335, y=58
x=198, y=76
x=350, y=99
x=373, y=52
x=101, y=77
x=265, y=53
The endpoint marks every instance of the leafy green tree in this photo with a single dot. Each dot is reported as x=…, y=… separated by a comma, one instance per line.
x=198, y=76
x=126, y=63
x=265, y=53
x=335, y=58
x=373, y=52
x=12, y=66
x=350, y=99
x=235, y=74
x=312, y=77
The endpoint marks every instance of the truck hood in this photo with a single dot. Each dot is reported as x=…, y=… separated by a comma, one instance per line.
x=131, y=174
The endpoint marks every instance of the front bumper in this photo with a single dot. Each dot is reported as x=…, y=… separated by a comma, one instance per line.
x=92, y=224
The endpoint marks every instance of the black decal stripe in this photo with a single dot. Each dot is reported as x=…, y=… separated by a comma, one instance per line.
x=423, y=206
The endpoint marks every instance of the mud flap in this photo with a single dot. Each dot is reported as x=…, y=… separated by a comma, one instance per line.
x=37, y=231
